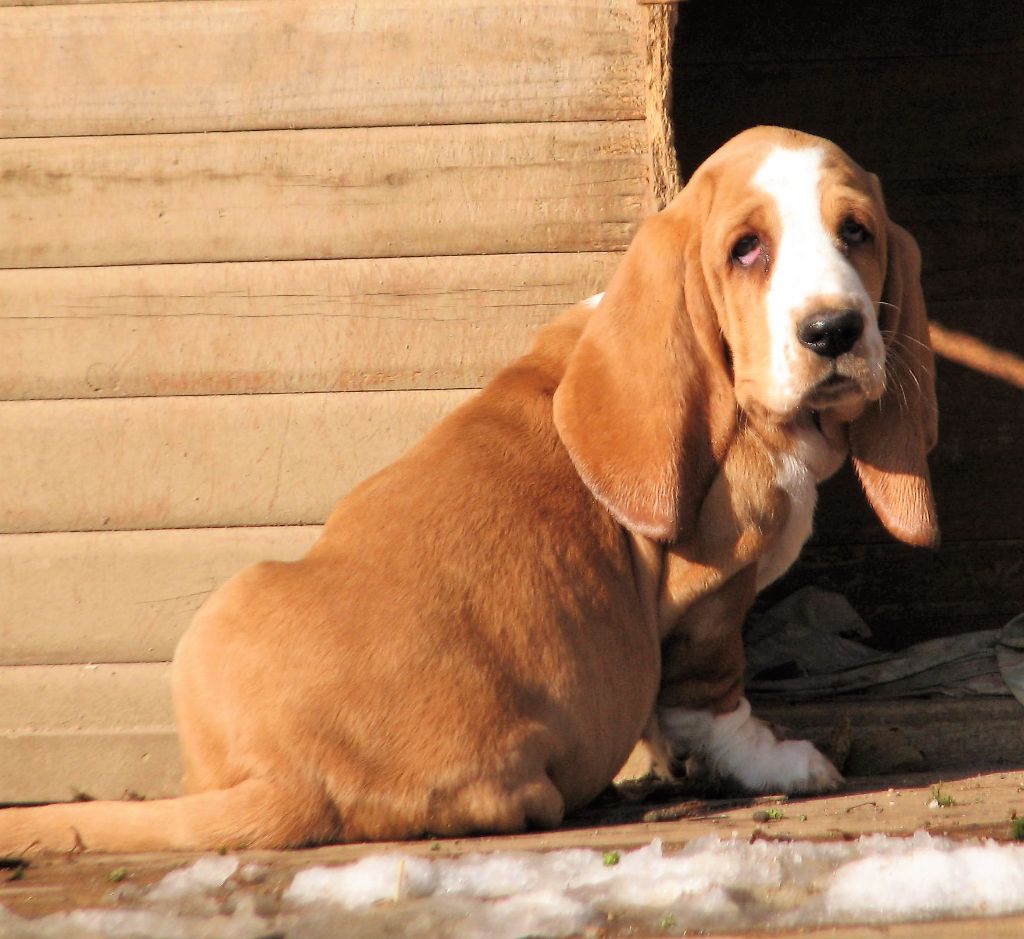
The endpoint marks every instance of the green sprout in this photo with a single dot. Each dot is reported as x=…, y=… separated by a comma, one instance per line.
x=942, y=799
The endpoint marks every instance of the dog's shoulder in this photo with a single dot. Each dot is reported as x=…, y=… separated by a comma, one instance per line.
x=514, y=409
x=500, y=447
x=541, y=369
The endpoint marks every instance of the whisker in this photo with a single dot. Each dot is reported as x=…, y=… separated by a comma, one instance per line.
x=900, y=346
x=899, y=343
x=896, y=335
x=904, y=399
x=894, y=382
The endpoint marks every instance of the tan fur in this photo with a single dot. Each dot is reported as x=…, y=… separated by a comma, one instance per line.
x=891, y=440
x=486, y=627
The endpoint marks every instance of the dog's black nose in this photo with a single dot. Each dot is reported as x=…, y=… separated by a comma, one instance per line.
x=830, y=333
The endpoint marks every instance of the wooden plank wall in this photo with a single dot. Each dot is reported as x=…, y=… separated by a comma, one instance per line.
x=249, y=251
x=929, y=97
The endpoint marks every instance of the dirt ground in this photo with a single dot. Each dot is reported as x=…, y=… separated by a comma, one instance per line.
x=938, y=798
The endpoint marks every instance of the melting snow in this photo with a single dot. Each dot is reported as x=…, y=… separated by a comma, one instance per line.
x=208, y=873
x=711, y=885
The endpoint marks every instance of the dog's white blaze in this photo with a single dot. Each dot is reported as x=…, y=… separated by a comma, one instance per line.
x=594, y=300
x=807, y=264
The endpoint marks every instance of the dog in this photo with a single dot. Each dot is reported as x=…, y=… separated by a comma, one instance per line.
x=562, y=566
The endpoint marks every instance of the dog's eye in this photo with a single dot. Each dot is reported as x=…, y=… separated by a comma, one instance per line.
x=851, y=232
x=747, y=250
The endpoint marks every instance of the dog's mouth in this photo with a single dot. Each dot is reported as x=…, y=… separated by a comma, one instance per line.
x=832, y=390
x=840, y=388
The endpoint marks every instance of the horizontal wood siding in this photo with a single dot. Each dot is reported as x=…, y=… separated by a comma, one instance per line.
x=100, y=764
x=91, y=697
x=104, y=731
x=120, y=596
x=263, y=64
x=292, y=326
x=183, y=462
x=352, y=193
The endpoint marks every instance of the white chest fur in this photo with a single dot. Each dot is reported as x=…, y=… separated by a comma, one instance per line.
x=798, y=473
x=797, y=481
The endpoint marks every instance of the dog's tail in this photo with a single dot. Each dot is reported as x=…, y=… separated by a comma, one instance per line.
x=256, y=813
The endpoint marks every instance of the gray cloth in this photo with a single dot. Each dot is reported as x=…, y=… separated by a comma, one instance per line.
x=810, y=646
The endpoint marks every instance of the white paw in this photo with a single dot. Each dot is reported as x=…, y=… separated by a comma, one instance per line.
x=744, y=748
x=740, y=747
x=790, y=766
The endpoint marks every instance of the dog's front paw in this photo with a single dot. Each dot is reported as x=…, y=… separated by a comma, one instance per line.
x=739, y=747
x=744, y=748
x=794, y=767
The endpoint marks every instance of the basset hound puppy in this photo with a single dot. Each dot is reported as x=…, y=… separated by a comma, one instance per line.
x=487, y=626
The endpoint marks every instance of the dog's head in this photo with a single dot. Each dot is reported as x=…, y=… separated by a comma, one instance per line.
x=773, y=285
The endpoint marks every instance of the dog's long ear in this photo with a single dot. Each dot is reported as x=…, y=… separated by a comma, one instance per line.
x=645, y=407
x=890, y=442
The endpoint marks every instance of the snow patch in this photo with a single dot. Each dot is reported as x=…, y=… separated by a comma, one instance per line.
x=208, y=873
x=712, y=885
x=372, y=880
x=930, y=878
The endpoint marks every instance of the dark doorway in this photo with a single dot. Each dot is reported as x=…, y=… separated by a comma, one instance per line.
x=931, y=98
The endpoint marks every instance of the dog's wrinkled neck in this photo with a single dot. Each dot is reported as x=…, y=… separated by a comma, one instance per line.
x=816, y=438
x=819, y=443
